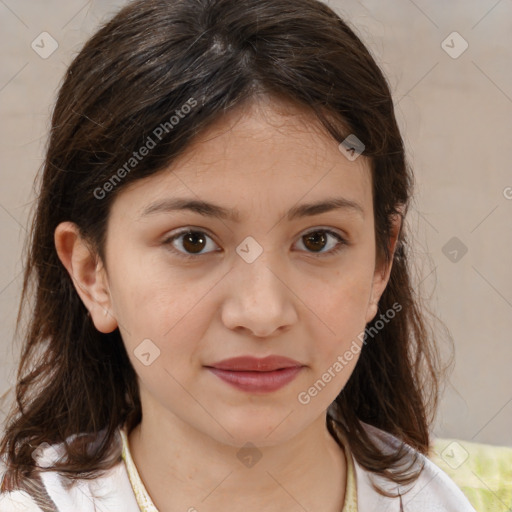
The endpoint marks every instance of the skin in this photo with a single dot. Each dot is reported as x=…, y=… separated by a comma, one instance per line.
x=295, y=299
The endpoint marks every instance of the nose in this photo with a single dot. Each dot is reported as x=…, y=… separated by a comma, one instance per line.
x=259, y=300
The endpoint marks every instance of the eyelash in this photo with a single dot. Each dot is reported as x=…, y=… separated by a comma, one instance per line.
x=342, y=242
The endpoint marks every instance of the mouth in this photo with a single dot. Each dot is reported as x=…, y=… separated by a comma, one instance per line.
x=256, y=375
x=257, y=381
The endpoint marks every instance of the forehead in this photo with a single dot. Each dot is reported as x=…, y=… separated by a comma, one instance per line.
x=274, y=153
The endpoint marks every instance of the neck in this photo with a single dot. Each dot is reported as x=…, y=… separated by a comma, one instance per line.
x=185, y=469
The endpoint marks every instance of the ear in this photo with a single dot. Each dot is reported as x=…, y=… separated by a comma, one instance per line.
x=87, y=273
x=382, y=271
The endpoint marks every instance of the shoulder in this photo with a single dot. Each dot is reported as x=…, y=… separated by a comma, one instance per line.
x=17, y=501
x=51, y=491
x=433, y=490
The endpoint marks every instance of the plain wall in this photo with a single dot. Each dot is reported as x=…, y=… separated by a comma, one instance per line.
x=456, y=119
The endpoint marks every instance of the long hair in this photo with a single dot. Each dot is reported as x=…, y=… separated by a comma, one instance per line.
x=129, y=84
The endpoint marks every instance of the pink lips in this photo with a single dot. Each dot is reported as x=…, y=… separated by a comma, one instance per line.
x=251, y=374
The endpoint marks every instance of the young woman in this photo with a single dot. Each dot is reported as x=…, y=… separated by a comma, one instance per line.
x=223, y=309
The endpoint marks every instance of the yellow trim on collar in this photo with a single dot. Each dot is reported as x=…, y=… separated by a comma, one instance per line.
x=141, y=495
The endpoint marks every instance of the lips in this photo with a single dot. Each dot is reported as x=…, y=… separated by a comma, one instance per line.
x=255, y=375
x=254, y=364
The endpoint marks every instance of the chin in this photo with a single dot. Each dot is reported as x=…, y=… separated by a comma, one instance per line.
x=264, y=431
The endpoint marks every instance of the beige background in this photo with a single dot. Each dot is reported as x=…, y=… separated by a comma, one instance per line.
x=456, y=119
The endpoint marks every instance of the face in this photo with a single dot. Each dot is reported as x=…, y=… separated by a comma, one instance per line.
x=268, y=278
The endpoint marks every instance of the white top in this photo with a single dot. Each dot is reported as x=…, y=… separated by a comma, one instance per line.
x=122, y=490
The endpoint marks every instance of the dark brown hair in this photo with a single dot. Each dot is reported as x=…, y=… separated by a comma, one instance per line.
x=152, y=58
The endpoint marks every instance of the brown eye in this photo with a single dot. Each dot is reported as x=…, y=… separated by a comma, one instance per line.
x=193, y=242
x=316, y=241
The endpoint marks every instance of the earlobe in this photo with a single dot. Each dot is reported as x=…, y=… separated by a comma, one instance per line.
x=371, y=311
x=87, y=273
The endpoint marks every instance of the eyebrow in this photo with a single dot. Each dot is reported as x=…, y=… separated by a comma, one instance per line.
x=208, y=209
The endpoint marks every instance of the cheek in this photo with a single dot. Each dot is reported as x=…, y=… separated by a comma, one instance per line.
x=333, y=361
x=339, y=311
x=342, y=300
x=170, y=311
x=151, y=295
